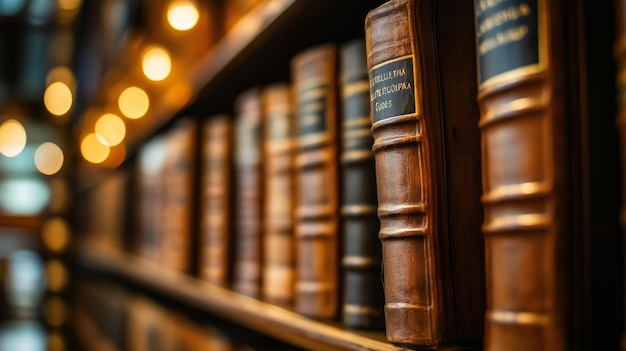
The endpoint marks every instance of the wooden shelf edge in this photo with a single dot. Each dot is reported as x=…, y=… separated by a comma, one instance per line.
x=25, y=222
x=266, y=318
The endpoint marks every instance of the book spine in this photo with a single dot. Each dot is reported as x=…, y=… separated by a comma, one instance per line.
x=150, y=173
x=406, y=205
x=178, y=183
x=278, y=239
x=248, y=157
x=518, y=121
x=362, y=253
x=317, y=205
x=216, y=214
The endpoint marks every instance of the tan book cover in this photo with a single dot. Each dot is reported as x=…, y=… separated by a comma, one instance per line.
x=216, y=197
x=279, y=190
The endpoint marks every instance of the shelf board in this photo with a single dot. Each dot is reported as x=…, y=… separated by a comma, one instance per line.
x=264, y=317
x=32, y=223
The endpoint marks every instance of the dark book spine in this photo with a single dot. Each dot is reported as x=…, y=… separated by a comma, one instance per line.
x=248, y=158
x=317, y=205
x=363, y=300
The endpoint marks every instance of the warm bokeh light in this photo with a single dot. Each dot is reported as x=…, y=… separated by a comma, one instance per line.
x=48, y=158
x=58, y=98
x=182, y=14
x=55, y=234
x=156, y=63
x=110, y=129
x=69, y=5
x=93, y=150
x=177, y=94
x=56, y=275
x=12, y=138
x=133, y=102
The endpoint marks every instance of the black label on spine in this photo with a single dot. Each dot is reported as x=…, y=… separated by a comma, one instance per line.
x=507, y=36
x=392, y=89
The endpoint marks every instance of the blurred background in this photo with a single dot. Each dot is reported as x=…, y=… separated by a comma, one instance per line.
x=53, y=55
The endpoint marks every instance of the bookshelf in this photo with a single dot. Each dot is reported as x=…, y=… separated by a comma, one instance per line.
x=258, y=51
x=266, y=318
x=254, y=52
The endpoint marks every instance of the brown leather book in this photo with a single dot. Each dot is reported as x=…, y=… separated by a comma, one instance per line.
x=548, y=183
x=215, y=203
x=361, y=260
x=426, y=146
x=314, y=76
x=179, y=168
x=278, y=182
x=248, y=190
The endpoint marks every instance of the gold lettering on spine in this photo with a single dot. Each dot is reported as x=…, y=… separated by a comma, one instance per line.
x=387, y=89
x=512, y=13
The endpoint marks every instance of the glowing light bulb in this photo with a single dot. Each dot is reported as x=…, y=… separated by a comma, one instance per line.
x=133, y=102
x=156, y=63
x=182, y=14
x=48, y=158
x=58, y=98
x=12, y=138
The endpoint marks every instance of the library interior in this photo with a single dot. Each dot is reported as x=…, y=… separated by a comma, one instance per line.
x=243, y=175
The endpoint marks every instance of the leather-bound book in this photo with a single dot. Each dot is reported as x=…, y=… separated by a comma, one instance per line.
x=549, y=175
x=314, y=76
x=278, y=237
x=149, y=170
x=248, y=189
x=362, y=304
x=216, y=185
x=179, y=168
x=421, y=61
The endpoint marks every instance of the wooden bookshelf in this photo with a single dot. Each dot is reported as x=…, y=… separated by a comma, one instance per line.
x=278, y=322
x=257, y=50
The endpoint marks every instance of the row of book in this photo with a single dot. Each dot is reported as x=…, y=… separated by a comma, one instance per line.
x=459, y=134
x=277, y=201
